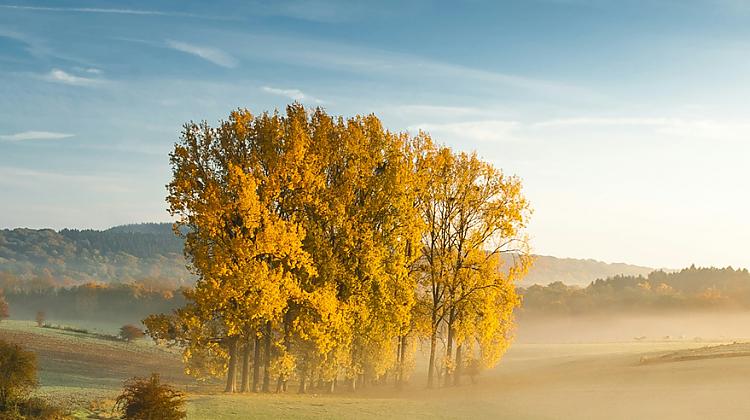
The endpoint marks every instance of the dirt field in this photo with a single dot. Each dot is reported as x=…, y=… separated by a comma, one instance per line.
x=676, y=379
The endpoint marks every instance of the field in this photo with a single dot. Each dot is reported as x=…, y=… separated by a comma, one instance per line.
x=671, y=379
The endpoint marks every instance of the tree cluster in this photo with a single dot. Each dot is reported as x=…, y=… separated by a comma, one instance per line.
x=326, y=248
x=688, y=289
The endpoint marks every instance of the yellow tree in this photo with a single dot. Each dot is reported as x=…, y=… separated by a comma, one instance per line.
x=228, y=199
x=360, y=233
x=473, y=213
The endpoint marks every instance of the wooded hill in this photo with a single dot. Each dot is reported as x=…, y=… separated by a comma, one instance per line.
x=693, y=288
x=122, y=254
x=152, y=252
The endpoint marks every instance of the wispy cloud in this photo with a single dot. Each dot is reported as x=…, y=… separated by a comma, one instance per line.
x=293, y=94
x=35, y=135
x=672, y=126
x=479, y=131
x=360, y=59
x=213, y=55
x=61, y=76
x=138, y=12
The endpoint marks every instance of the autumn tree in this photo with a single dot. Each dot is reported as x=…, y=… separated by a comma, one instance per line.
x=229, y=193
x=4, y=310
x=130, y=332
x=473, y=213
x=362, y=231
x=40, y=318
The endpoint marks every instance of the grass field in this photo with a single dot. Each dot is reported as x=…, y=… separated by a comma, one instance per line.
x=627, y=380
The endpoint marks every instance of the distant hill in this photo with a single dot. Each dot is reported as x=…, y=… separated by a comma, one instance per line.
x=121, y=254
x=578, y=272
x=151, y=251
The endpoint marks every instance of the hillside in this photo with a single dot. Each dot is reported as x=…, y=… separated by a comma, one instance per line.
x=67, y=257
x=578, y=272
x=152, y=251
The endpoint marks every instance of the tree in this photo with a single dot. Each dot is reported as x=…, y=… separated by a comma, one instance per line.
x=229, y=192
x=130, y=332
x=472, y=214
x=4, y=310
x=40, y=317
x=17, y=374
x=149, y=399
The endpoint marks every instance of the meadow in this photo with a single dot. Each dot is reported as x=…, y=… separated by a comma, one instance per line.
x=649, y=378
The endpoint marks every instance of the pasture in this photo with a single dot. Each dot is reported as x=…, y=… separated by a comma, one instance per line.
x=676, y=379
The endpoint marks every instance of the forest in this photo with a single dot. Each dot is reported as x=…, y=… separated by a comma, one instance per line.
x=689, y=289
x=72, y=257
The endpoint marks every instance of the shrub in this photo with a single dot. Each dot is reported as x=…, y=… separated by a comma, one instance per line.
x=130, y=332
x=37, y=408
x=149, y=399
x=17, y=375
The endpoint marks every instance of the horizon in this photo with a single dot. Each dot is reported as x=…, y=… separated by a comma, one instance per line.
x=561, y=257
x=625, y=120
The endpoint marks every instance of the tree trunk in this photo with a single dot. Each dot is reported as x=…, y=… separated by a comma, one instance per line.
x=431, y=369
x=279, y=384
x=245, y=382
x=267, y=359
x=449, y=352
x=401, y=363
x=459, y=366
x=232, y=369
x=302, y=382
x=256, y=364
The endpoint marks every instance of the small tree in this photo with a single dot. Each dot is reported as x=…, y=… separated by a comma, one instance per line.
x=40, y=318
x=148, y=398
x=4, y=310
x=17, y=374
x=130, y=332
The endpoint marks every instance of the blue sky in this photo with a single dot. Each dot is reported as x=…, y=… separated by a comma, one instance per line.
x=627, y=120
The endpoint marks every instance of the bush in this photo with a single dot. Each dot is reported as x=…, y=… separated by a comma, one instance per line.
x=37, y=408
x=149, y=399
x=17, y=375
x=130, y=332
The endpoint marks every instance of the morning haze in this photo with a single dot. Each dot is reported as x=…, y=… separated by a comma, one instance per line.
x=330, y=209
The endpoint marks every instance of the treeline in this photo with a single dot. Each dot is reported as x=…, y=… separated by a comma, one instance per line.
x=68, y=257
x=689, y=289
x=117, y=304
x=326, y=248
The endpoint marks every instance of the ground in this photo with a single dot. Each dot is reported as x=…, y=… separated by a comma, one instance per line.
x=670, y=379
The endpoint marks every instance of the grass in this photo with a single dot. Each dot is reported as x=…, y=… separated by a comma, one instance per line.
x=534, y=381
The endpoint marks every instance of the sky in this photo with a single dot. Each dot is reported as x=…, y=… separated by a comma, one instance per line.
x=626, y=120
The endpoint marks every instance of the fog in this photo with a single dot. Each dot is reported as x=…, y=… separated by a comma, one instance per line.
x=692, y=326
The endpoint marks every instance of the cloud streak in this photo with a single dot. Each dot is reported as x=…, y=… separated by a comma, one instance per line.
x=61, y=76
x=136, y=12
x=35, y=135
x=213, y=55
x=293, y=94
x=479, y=131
